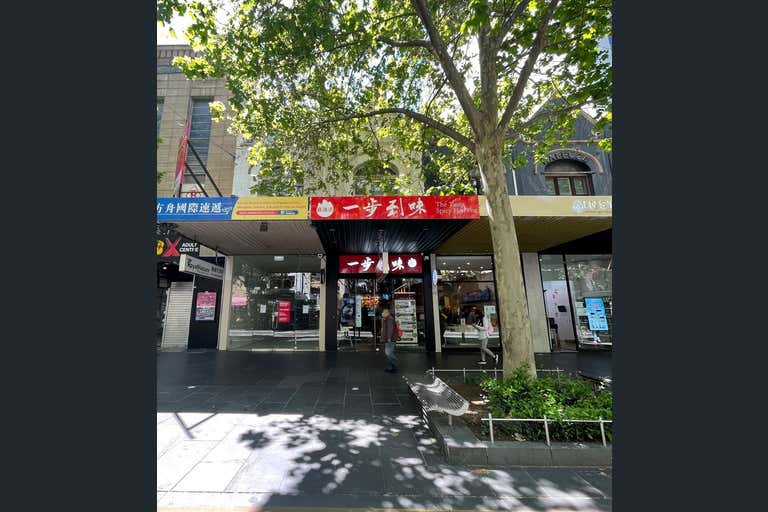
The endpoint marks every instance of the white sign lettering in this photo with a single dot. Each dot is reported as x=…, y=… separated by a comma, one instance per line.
x=192, y=265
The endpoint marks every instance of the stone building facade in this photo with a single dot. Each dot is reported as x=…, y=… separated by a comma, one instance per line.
x=176, y=96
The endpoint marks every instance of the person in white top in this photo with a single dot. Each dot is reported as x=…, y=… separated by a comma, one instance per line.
x=482, y=332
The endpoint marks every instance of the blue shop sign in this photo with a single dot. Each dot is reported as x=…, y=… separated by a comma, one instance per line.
x=596, y=314
x=194, y=208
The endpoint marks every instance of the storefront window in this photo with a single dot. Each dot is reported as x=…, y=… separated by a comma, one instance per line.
x=591, y=281
x=557, y=302
x=466, y=293
x=359, y=304
x=275, y=303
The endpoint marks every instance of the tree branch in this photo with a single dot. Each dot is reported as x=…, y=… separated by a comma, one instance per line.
x=455, y=79
x=525, y=73
x=508, y=22
x=437, y=125
x=411, y=43
x=489, y=85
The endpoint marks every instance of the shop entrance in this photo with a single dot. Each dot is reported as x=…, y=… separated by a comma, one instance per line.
x=360, y=301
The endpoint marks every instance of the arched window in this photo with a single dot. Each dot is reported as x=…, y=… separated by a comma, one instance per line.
x=375, y=178
x=567, y=178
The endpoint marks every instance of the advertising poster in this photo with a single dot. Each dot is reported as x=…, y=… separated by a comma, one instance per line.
x=489, y=314
x=270, y=208
x=596, y=314
x=283, y=311
x=205, y=307
x=262, y=308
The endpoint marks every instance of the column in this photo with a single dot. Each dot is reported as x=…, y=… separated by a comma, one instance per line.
x=322, y=304
x=331, y=313
x=430, y=307
x=535, y=296
x=226, y=301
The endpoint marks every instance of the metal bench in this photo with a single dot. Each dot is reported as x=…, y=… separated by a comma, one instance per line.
x=597, y=382
x=439, y=396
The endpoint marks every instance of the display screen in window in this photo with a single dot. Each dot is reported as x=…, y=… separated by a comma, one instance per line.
x=205, y=307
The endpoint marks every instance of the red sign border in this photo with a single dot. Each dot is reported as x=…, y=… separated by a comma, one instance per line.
x=352, y=207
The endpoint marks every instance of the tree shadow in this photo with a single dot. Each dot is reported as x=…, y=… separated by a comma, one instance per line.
x=321, y=460
x=336, y=456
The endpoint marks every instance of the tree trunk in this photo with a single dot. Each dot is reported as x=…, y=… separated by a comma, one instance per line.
x=512, y=304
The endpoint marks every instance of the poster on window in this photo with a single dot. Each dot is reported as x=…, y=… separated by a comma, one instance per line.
x=358, y=311
x=283, y=311
x=490, y=322
x=596, y=314
x=205, y=307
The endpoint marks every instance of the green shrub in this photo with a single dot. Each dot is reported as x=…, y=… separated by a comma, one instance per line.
x=560, y=397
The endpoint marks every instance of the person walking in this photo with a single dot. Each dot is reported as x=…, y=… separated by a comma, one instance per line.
x=482, y=334
x=388, y=337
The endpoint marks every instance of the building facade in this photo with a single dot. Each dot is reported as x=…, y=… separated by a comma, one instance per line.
x=313, y=271
x=179, y=101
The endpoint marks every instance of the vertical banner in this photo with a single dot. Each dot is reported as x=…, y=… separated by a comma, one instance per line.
x=181, y=159
x=358, y=311
x=283, y=311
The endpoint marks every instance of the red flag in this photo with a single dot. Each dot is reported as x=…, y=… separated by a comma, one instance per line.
x=181, y=159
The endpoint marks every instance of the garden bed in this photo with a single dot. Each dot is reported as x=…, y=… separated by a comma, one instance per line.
x=522, y=397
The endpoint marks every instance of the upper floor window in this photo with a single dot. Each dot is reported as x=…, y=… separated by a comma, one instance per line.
x=200, y=138
x=375, y=178
x=567, y=178
x=159, y=116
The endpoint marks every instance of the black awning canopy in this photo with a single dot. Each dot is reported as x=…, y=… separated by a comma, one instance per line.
x=398, y=236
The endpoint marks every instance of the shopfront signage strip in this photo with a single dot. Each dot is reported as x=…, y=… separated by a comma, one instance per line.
x=231, y=208
x=394, y=207
x=372, y=264
x=192, y=265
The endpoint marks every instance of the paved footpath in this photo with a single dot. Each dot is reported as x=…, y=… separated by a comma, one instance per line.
x=335, y=438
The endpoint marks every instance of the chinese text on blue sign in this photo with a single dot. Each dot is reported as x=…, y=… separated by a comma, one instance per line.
x=194, y=208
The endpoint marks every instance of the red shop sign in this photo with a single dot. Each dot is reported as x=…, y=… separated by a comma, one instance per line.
x=283, y=311
x=368, y=263
x=394, y=207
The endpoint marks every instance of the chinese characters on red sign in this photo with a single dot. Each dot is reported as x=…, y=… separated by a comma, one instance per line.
x=369, y=263
x=283, y=311
x=394, y=207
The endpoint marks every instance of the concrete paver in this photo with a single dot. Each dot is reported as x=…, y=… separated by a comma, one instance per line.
x=331, y=440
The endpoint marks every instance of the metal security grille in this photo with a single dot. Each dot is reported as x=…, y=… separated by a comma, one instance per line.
x=177, y=314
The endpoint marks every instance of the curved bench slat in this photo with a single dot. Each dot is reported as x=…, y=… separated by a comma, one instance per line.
x=440, y=397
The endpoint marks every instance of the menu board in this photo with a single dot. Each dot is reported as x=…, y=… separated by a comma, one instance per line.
x=405, y=314
x=358, y=311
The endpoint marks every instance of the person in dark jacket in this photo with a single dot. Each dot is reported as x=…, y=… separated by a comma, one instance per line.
x=388, y=337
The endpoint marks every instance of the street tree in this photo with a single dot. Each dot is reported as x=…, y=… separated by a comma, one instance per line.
x=479, y=85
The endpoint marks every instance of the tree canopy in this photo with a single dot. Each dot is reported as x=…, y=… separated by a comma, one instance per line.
x=463, y=85
x=316, y=82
